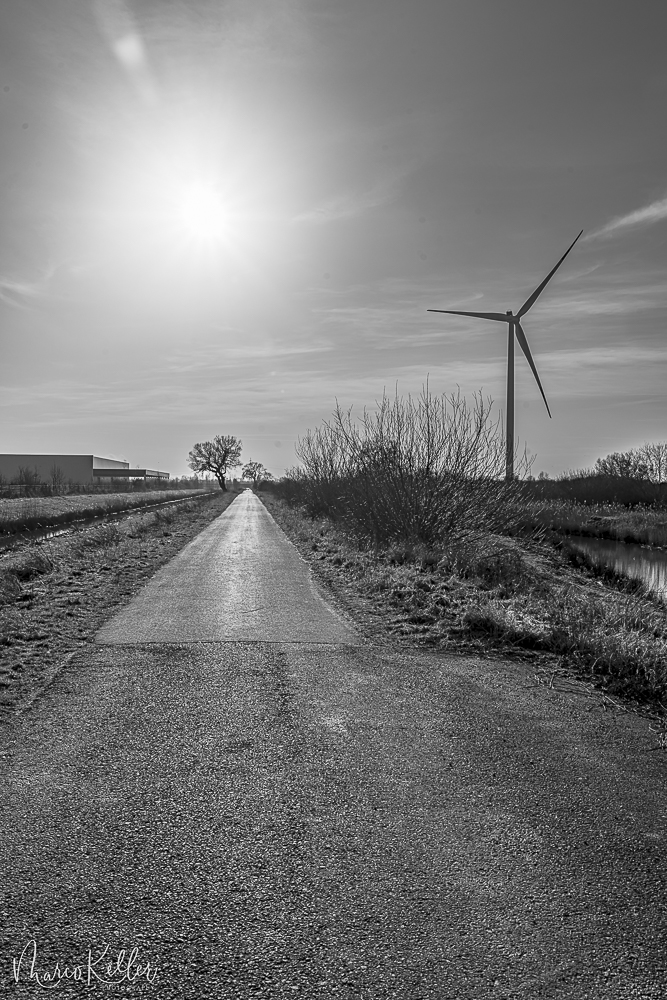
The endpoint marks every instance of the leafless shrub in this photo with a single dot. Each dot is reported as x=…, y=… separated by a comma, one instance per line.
x=143, y=526
x=164, y=516
x=493, y=560
x=10, y=587
x=29, y=479
x=33, y=562
x=57, y=480
x=417, y=470
x=102, y=537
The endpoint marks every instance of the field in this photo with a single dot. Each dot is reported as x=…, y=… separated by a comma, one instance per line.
x=17, y=514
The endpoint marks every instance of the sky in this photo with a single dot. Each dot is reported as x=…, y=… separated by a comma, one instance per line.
x=224, y=216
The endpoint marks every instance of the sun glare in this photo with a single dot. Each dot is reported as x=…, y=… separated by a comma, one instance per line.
x=202, y=213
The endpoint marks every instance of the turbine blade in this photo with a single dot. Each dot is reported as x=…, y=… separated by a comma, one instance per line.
x=523, y=344
x=531, y=300
x=501, y=317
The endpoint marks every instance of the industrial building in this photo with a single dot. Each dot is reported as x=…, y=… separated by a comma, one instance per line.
x=63, y=469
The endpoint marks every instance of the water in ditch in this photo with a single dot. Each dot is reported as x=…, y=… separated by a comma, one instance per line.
x=638, y=561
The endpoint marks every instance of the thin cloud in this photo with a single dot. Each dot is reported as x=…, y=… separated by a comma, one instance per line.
x=378, y=183
x=647, y=216
x=17, y=292
x=612, y=373
x=215, y=358
x=605, y=300
x=14, y=291
x=351, y=204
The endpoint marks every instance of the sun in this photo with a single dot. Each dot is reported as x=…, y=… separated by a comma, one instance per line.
x=201, y=213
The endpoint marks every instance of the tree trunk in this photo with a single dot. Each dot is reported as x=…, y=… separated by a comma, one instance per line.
x=221, y=479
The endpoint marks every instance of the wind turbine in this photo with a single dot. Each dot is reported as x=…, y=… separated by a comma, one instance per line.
x=515, y=329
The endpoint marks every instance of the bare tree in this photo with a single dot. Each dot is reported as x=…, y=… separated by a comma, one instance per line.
x=56, y=479
x=256, y=472
x=216, y=456
x=627, y=464
x=655, y=458
x=28, y=478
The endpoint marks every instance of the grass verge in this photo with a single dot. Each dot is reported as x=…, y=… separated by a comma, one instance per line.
x=56, y=594
x=491, y=593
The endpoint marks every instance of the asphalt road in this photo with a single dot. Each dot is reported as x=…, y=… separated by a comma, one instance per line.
x=322, y=818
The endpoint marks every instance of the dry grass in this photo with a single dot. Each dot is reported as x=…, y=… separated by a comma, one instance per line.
x=620, y=639
x=55, y=594
x=488, y=592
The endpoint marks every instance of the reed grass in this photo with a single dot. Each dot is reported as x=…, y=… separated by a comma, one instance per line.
x=641, y=525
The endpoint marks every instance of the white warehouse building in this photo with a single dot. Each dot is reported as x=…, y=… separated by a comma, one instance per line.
x=78, y=469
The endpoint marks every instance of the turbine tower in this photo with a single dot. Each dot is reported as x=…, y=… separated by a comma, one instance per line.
x=513, y=321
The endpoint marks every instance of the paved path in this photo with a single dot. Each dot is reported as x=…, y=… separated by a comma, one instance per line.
x=240, y=579
x=330, y=821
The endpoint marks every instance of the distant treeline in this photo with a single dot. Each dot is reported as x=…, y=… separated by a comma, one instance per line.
x=599, y=489
x=637, y=476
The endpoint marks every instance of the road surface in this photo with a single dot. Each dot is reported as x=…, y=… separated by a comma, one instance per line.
x=233, y=787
